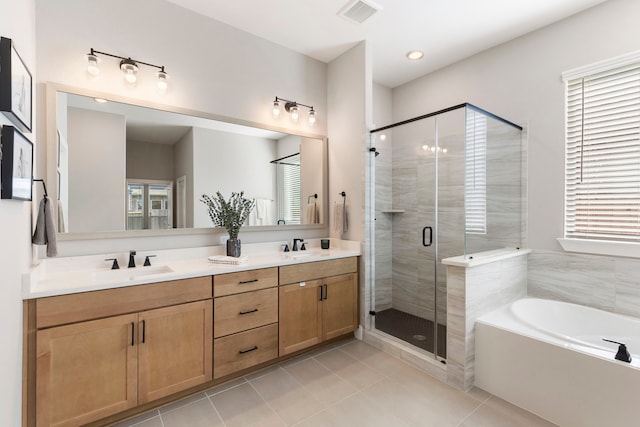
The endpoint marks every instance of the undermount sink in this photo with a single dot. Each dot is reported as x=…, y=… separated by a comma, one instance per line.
x=129, y=273
x=299, y=255
x=307, y=254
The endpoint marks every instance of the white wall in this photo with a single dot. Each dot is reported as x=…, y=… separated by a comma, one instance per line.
x=97, y=145
x=521, y=81
x=221, y=163
x=17, y=22
x=311, y=176
x=146, y=160
x=349, y=101
x=213, y=68
x=183, y=155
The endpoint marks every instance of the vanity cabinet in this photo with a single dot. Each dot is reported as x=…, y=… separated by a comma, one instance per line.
x=245, y=320
x=92, y=363
x=318, y=301
x=96, y=357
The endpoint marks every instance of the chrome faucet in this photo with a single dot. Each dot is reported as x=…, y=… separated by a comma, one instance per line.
x=132, y=260
x=295, y=243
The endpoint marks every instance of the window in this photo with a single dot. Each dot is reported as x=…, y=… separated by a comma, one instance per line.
x=291, y=187
x=475, y=185
x=149, y=205
x=288, y=188
x=602, y=152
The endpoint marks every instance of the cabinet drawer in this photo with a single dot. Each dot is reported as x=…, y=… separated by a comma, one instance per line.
x=244, y=281
x=72, y=308
x=317, y=270
x=243, y=350
x=240, y=312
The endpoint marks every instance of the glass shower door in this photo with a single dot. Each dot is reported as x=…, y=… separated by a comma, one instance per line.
x=406, y=233
x=419, y=208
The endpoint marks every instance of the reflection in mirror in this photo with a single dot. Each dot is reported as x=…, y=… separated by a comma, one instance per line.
x=123, y=167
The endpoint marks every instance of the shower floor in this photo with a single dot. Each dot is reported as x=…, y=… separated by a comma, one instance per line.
x=412, y=329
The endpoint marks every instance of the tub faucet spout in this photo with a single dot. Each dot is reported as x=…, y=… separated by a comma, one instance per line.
x=623, y=353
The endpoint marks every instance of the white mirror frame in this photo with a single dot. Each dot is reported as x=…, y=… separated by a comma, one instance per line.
x=52, y=175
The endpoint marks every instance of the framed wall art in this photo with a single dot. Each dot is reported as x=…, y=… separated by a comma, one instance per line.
x=16, y=86
x=16, y=165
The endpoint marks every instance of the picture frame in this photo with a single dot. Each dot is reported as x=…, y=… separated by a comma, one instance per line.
x=16, y=165
x=16, y=86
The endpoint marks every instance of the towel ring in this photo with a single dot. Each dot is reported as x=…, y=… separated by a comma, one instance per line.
x=43, y=185
x=315, y=196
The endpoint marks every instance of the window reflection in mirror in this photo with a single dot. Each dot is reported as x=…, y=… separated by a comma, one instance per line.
x=125, y=167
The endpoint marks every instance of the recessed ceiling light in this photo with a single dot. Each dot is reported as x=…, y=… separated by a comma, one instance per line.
x=100, y=100
x=415, y=55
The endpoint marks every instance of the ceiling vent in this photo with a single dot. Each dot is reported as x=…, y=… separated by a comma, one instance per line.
x=358, y=11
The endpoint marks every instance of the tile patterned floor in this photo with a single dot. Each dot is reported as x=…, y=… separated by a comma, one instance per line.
x=349, y=384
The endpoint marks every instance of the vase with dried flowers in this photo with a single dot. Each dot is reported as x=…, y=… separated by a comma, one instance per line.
x=230, y=214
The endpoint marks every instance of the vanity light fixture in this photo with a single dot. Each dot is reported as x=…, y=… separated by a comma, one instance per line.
x=292, y=107
x=129, y=68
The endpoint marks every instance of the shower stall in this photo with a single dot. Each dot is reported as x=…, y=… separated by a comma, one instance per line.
x=444, y=184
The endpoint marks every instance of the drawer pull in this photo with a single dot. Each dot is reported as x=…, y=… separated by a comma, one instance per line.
x=249, y=311
x=247, y=281
x=255, y=347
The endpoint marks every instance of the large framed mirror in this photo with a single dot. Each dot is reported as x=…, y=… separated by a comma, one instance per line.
x=122, y=167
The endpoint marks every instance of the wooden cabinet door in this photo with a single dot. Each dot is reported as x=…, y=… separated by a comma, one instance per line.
x=86, y=371
x=339, y=305
x=174, y=349
x=299, y=322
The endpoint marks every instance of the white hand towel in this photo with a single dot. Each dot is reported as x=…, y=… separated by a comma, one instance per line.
x=61, y=227
x=224, y=259
x=340, y=219
x=45, y=232
x=313, y=214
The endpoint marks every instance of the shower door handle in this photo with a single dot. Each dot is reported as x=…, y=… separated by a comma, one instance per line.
x=424, y=236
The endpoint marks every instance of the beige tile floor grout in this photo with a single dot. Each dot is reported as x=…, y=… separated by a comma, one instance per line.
x=347, y=384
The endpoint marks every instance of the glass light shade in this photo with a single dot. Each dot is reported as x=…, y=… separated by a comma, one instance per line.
x=130, y=70
x=92, y=65
x=312, y=117
x=276, y=109
x=162, y=81
x=294, y=113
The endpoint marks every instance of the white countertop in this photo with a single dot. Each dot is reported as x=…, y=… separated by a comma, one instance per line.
x=480, y=258
x=59, y=276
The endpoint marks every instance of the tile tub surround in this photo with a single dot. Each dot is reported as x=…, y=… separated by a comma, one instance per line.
x=351, y=383
x=58, y=276
x=478, y=284
x=604, y=282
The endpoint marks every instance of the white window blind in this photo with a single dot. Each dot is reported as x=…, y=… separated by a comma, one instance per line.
x=475, y=186
x=602, y=169
x=291, y=193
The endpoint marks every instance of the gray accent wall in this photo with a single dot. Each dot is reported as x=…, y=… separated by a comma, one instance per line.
x=603, y=282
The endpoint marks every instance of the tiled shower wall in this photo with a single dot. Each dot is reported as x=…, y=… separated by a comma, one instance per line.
x=607, y=283
x=473, y=292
